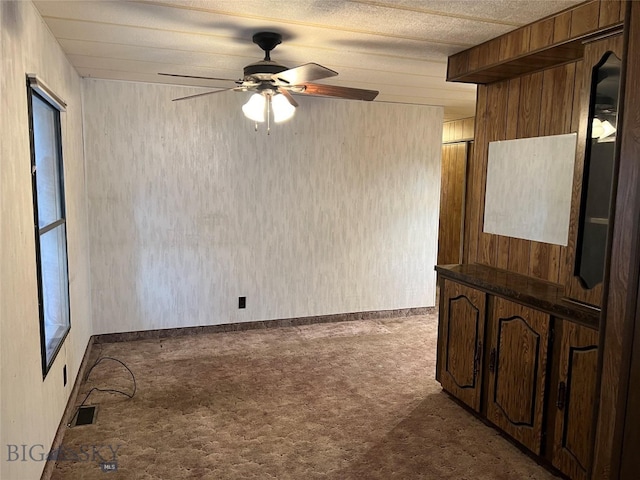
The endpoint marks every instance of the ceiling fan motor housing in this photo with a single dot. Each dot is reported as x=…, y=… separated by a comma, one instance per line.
x=262, y=70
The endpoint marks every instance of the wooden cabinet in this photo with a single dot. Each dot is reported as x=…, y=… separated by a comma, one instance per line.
x=511, y=349
x=460, y=347
x=583, y=269
x=517, y=371
x=577, y=359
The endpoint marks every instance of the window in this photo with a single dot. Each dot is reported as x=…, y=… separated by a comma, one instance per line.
x=49, y=219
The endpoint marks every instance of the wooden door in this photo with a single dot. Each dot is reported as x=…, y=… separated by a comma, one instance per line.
x=575, y=396
x=452, y=194
x=460, y=342
x=517, y=371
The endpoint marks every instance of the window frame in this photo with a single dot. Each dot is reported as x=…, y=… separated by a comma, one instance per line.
x=35, y=88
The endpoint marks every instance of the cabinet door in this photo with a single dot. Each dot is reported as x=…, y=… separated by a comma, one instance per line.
x=460, y=342
x=583, y=269
x=575, y=398
x=517, y=371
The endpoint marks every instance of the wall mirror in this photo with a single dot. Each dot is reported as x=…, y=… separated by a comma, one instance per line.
x=598, y=171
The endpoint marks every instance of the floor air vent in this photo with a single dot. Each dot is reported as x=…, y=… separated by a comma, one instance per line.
x=85, y=416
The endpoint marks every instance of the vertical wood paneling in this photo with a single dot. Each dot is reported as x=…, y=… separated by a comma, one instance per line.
x=473, y=60
x=537, y=104
x=541, y=34
x=446, y=128
x=511, y=129
x=541, y=103
x=515, y=43
x=468, y=125
x=454, y=159
x=495, y=124
x=609, y=12
x=528, y=126
x=489, y=52
x=475, y=189
x=458, y=64
x=562, y=27
x=458, y=130
x=580, y=21
x=466, y=228
x=555, y=119
x=585, y=18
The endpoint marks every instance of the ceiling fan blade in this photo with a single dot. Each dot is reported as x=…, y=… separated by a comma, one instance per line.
x=288, y=96
x=202, y=78
x=202, y=94
x=304, y=73
x=340, y=92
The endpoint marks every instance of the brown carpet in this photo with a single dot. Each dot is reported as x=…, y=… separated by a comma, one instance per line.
x=351, y=400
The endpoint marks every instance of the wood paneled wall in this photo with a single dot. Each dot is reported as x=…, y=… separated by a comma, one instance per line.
x=541, y=103
x=458, y=130
x=452, y=195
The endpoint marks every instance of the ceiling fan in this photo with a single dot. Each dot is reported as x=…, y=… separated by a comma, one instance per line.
x=273, y=84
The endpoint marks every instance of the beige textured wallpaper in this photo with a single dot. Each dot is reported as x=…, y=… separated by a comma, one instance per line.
x=31, y=407
x=335, y=211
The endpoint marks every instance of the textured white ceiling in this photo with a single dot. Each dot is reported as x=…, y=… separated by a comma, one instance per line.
x=399, y=47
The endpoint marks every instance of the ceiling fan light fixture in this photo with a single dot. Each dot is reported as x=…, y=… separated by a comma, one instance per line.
x=254, y=108
x=282, y=109
x=607, y=129
x=596, y=128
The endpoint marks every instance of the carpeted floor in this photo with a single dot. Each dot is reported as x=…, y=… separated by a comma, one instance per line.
x=350, y=400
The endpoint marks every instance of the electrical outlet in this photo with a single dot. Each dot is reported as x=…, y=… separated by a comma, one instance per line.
x=64, y=376
x=242, y=302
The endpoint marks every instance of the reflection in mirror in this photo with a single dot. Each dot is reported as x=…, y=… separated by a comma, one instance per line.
x=598, y=171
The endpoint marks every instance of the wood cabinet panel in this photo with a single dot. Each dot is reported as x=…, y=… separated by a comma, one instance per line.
x=523, y=381
x=541, y=34
x=458, y=64
x=584, y=18
x=546, y=43
x=517, y=371
x=575, y=400
x=574, y=288
x=514, y=43
x=610, y=12
x=460, y=342
x=489, y=52
x=562, y=26
x=616, y=429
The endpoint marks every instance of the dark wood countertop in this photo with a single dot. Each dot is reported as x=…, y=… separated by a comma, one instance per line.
x=538, y=294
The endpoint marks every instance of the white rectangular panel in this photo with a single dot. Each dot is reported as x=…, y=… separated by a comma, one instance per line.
x=528, y=192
